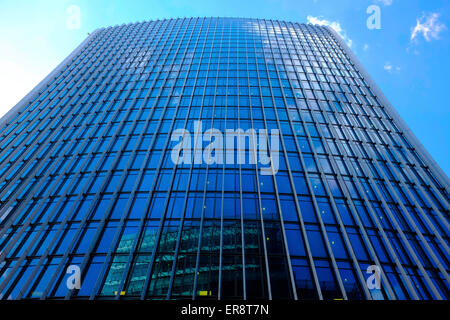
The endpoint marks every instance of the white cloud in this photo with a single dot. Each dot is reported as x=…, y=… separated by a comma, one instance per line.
x=366, y=47
x=385, y=2
x=333, y=24
x=389, y=67
x=429, y=26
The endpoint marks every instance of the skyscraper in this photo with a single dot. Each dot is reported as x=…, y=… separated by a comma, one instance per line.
x=217, y=158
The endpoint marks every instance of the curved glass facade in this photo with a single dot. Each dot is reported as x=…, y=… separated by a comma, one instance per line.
x=88, y=181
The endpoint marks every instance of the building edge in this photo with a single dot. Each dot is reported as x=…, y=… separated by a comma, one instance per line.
x=42, y=84
x=439, y=174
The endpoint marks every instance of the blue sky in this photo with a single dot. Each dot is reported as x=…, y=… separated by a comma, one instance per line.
x=408, y=57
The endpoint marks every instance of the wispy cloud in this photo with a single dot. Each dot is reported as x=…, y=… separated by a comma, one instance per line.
x=366, y=47
x=389, y=67
x=385, y=2
x=428, y=26
x=333, y=24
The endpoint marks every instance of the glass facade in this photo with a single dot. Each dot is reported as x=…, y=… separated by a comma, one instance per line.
x=87, y=179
